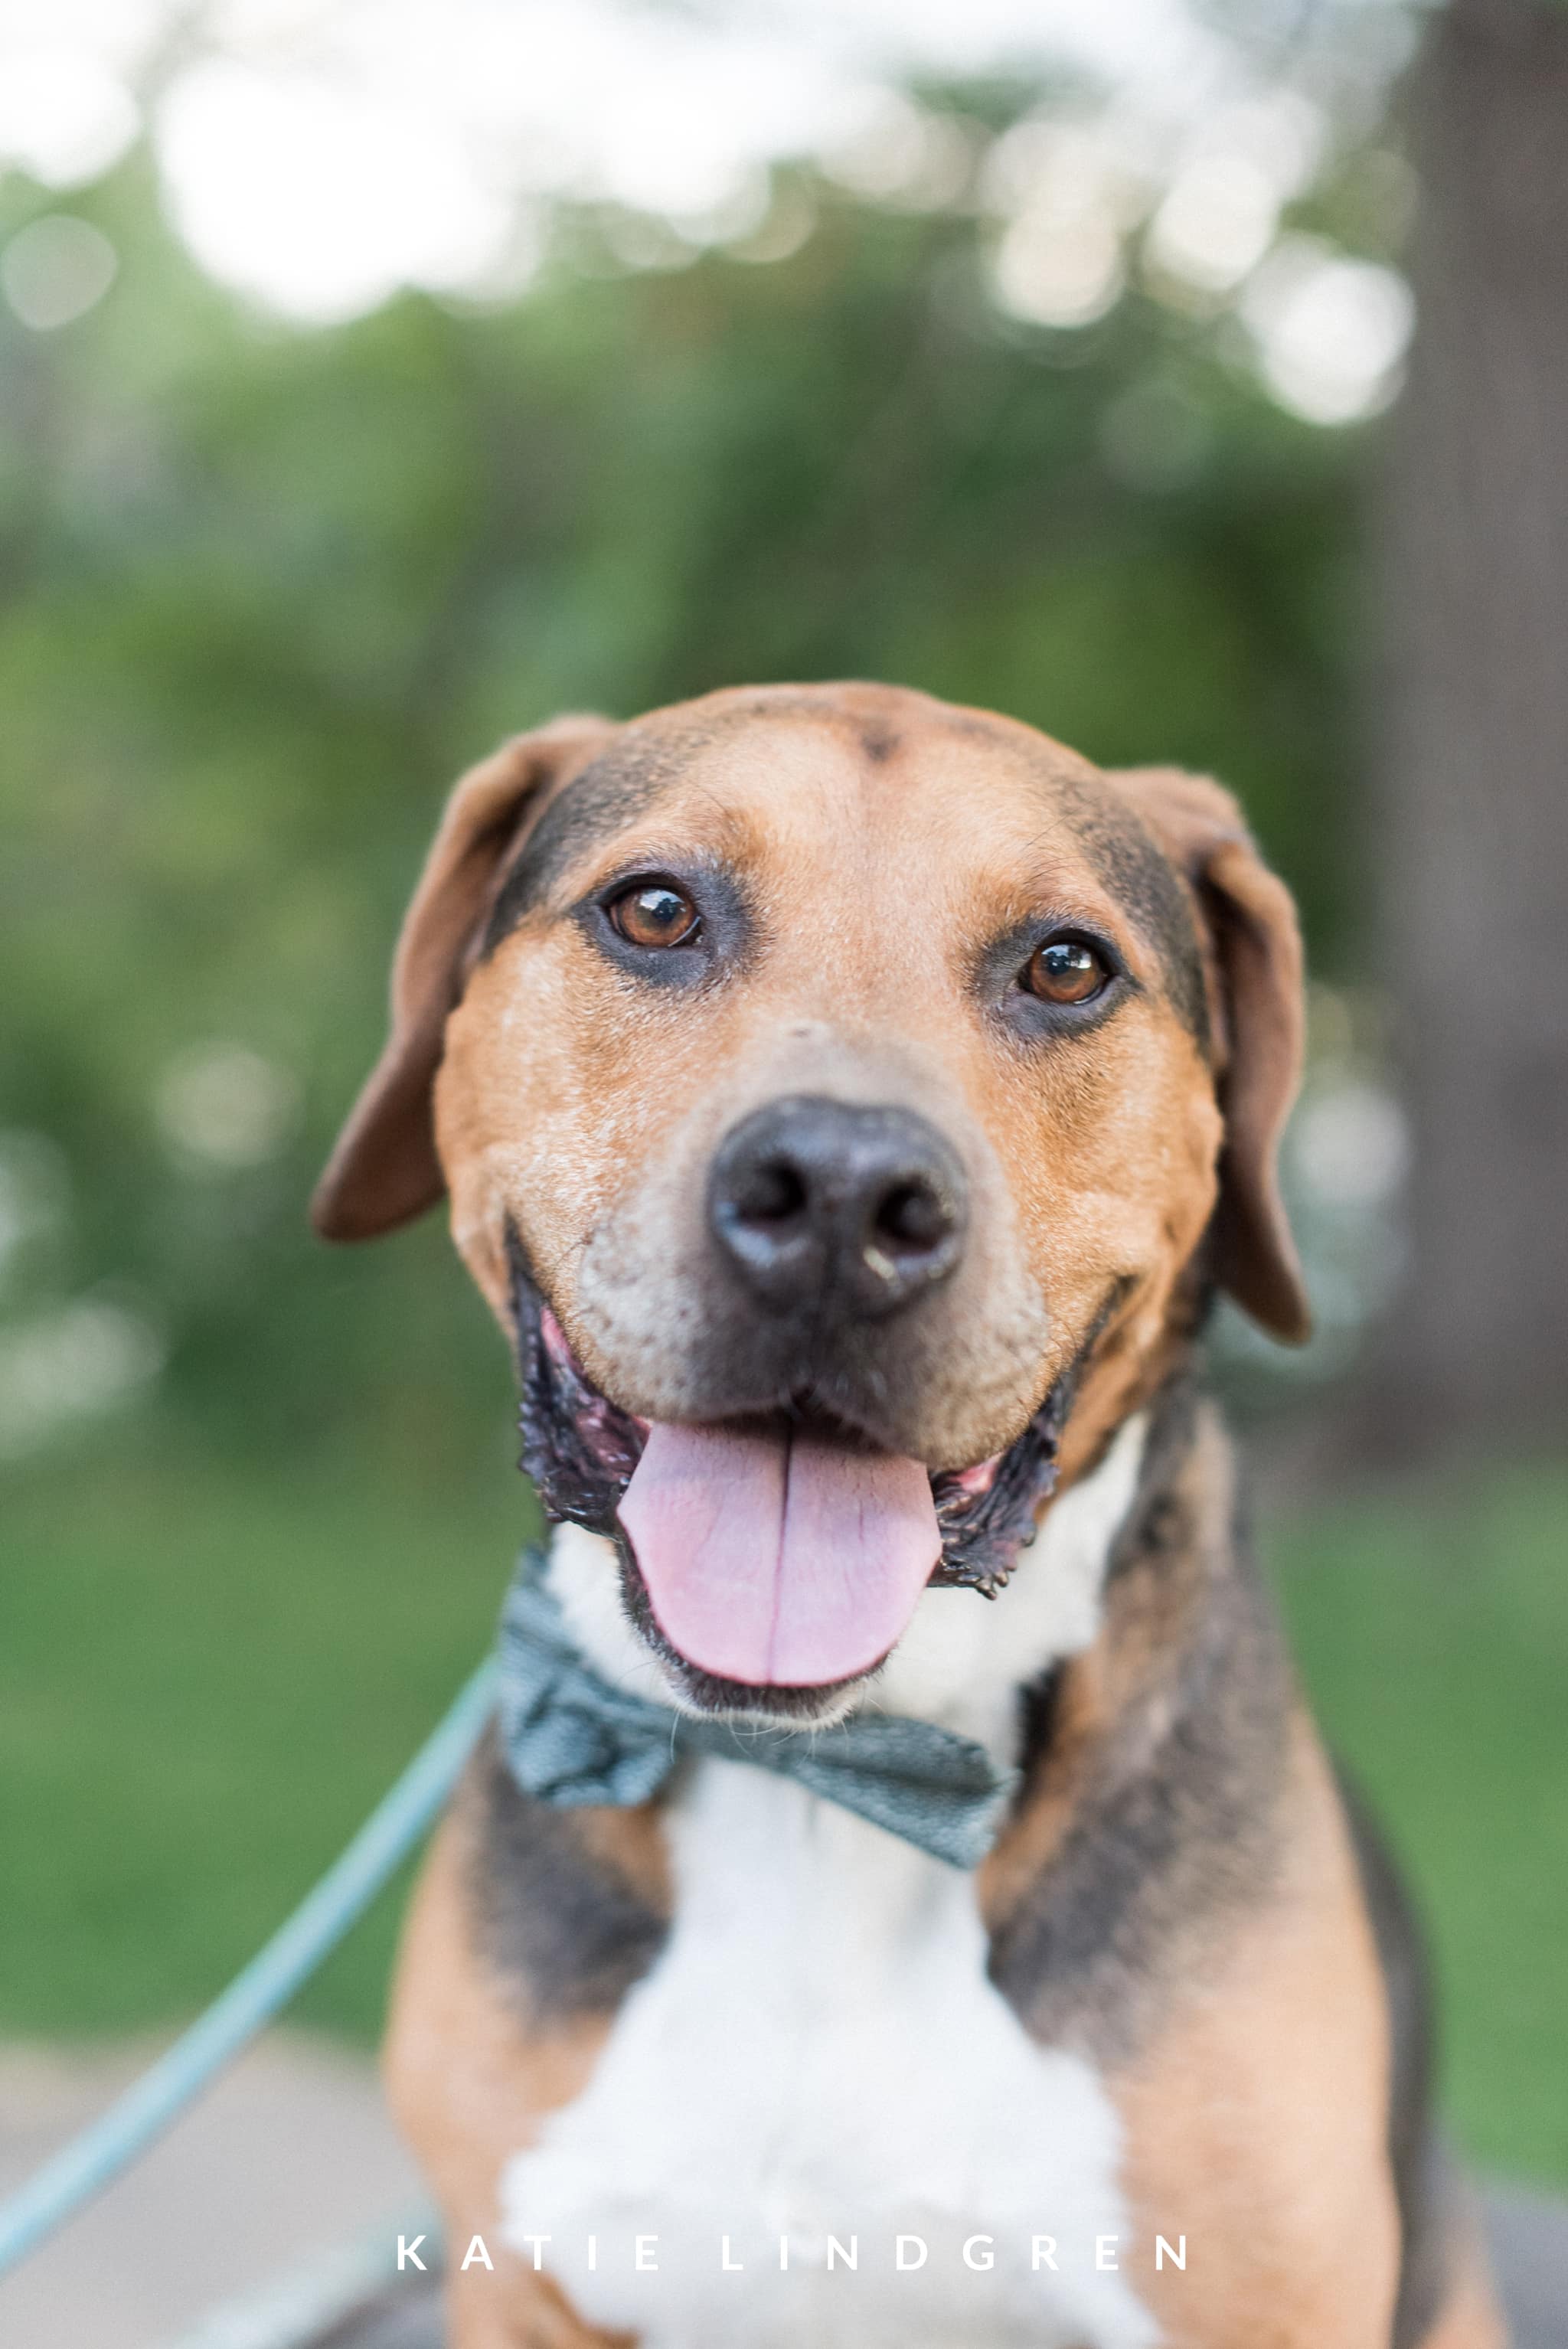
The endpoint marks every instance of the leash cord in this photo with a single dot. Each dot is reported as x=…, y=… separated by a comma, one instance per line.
x=92, y=2159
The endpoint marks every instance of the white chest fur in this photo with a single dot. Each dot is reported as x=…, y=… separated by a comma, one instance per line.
x=819, y=2053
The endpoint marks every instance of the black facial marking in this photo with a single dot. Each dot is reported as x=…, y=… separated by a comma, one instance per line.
x=1142, y=878
x=558, y=1922
x=1127, y=860
x=720, y=945
x=879, y=742
x=1032, y=1018
x=620, y=785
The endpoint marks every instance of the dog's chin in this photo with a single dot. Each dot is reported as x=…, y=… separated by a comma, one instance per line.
x=583, y=1452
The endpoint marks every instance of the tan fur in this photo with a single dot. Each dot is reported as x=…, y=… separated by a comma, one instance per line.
x=1257, y=2119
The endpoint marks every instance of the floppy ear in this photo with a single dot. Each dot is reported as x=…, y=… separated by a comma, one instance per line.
x=1252, y=950
x=384, y=1169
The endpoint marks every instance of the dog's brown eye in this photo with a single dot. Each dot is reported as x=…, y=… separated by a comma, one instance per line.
x=653, y=914
x=1065, y=971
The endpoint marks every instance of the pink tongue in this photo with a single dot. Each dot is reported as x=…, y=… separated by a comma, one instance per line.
x=779, y=1561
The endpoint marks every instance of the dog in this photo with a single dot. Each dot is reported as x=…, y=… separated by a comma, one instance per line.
x=851, y=1105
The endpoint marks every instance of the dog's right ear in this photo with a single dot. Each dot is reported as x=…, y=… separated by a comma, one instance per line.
x=384, y=1170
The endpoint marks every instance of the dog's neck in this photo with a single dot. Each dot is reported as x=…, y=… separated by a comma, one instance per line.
x=964, y=1659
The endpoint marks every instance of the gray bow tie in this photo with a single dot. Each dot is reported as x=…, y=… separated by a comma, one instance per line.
x=571, y=1738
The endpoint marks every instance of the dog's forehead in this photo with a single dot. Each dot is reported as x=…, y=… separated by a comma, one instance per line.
x=877, y=756
x=781, y=771
x=869, y=790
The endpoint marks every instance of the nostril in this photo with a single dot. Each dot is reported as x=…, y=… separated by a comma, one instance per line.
x=911, y=1218
x=773, y=1193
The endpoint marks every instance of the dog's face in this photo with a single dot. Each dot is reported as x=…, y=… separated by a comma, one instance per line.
x=837, y=1092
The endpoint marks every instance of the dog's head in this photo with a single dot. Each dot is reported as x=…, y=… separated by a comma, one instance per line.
x=848, y=1102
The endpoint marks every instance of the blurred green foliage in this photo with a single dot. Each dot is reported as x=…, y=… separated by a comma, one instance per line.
x=263, y=592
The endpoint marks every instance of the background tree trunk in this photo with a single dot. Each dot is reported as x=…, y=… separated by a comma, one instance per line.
x=1475, y=838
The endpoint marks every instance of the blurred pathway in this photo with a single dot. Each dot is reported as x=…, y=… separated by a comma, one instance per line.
x=290, y=2157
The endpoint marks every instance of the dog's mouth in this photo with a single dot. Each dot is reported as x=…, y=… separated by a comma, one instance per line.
x=771, y=1560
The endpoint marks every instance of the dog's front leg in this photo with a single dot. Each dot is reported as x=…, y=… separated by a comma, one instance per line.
x=1257, y=2119
x=467, y=2084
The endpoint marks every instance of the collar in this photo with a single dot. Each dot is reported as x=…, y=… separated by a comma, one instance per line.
x=571, y=1738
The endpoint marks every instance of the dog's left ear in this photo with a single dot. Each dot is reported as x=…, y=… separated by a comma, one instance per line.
x=1252, y=943
x=384, y=1170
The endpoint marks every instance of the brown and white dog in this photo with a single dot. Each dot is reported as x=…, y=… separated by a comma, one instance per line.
x=843, y=1098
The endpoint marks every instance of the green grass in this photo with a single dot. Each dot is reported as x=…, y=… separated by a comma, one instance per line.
x=208, y=1673
x=1433, y=1633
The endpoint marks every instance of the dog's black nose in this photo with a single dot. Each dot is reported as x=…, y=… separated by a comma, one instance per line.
x=816, y=1200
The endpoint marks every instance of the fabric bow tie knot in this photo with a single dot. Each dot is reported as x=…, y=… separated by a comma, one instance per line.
x=569, y=1737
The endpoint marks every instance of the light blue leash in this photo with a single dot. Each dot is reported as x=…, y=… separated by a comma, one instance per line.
x=109, y=2145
